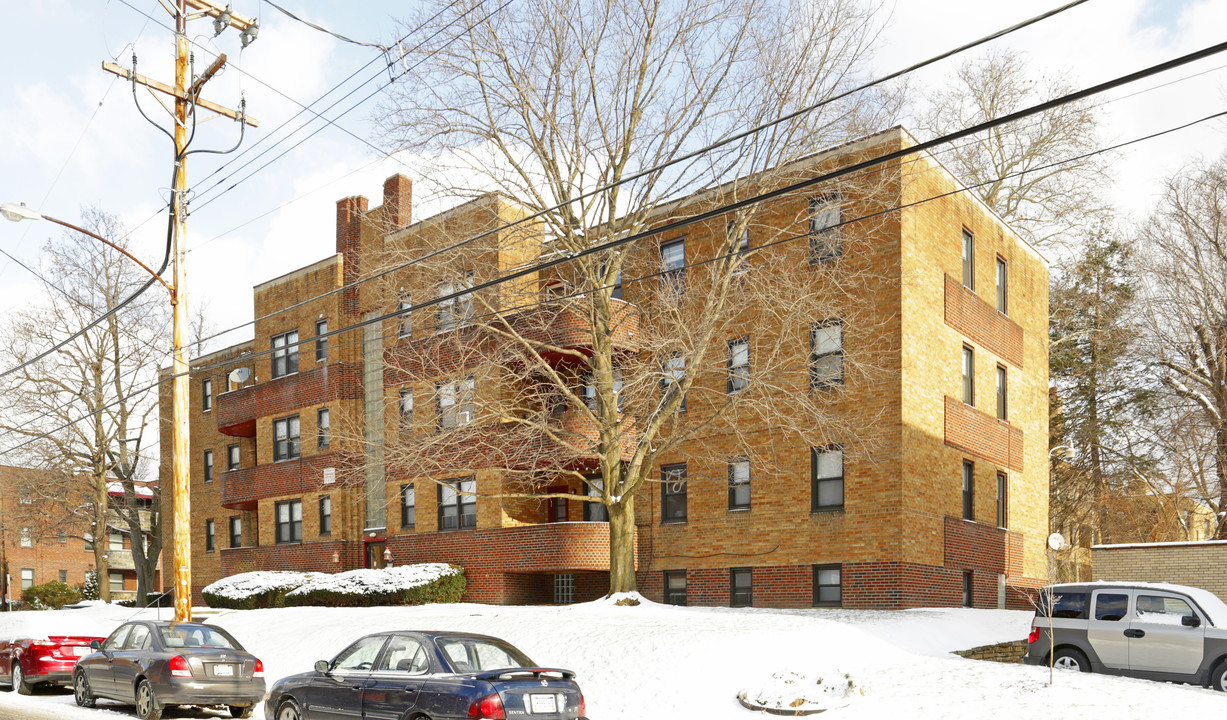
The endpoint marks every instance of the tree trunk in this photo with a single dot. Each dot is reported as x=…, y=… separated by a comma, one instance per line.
x=622, y=545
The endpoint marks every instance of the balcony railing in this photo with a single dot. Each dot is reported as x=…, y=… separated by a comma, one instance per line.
x=978, y=433
x=242, y=489
x=545, y=548
x=237, y=410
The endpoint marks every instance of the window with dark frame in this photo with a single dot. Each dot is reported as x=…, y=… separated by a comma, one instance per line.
x=673, y=493
x=209, y=535
x=969, y=260
x=589, y=389
x=673, y=263
x=285, y=438
x=828, y=586
x=595, y=511
x=741, y=587
x=285, y=354
x=968, y=589
x=739, y=484
x=206, y=395
x=741, y=250
x=325, y=513
x=826, y=354
x=288, y=518
x=675, y=587
x=405, y=317
x=208, y=466
x=739, y=365
x=236, y=531
x=232, y=457
x=1002, y=397
x=454, y=312
x=1003, y=507
x=556, y=509
x=969, y=490
x=408, y=506
x=826, y=478
x=457, y=504
x=321, y=341
x=969, y=376
x=455, y=402
x=1003, y=294
x=673, y=371
x=405, y=409
x=825, y=238
x=323, y=428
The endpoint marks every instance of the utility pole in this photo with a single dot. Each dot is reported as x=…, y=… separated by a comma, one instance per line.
x=185, y=92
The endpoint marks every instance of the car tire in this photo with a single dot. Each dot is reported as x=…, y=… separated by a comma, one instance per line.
x=1070, y=659
x=288, y=710
x=1218, y=677
x=80, y=691
x=20, y=685
x=147, y=707
x=241, y=711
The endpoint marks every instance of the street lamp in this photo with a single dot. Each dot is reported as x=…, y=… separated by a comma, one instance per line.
x=180, y=496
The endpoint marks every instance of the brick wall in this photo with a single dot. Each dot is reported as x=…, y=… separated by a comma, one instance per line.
x=1199, y=564
x=980, y=322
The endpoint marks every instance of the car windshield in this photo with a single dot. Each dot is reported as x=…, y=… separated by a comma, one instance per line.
x=468, y=654
x=197, y=636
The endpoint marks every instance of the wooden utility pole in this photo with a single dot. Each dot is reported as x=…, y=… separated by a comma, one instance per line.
x=185, y=92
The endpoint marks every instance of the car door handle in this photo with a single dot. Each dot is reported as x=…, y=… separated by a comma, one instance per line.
x=1135, y=633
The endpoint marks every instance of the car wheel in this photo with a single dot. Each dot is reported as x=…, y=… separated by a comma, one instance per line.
x=19, y=680
x=1070, y=659
x=80, y=690
x=147, y=707
x=242, y=711
x=288, y=710
x=1219, y=677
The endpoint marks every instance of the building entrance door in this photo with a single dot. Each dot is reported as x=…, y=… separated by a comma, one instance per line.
x=374, y=554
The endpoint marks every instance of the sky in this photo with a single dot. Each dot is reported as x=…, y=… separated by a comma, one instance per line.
x=75, y=139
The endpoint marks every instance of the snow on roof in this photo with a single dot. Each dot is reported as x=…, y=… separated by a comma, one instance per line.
x=117, y=488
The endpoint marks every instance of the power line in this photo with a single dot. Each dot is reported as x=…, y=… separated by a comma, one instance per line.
x=324, y=30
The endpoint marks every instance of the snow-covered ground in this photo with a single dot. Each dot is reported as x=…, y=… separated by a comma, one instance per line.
x=655, y=661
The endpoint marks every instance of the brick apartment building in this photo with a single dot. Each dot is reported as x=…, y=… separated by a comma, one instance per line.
x=38, y=546
x=294, y=454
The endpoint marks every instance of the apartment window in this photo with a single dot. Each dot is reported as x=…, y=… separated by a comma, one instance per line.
x=62, y=536
x=674, y=370
x=321, y=341
x=89, y=542
x=405, y=317
x=325, y=515
x=564, y=588
x=457, y=505
x=969, y=490
x=826, y=354
x=1003, y=295
x=595, y=511
x=969, y=259
x=27, y=537
x=741, y=587
x=209, y=535
x=323, y=427
x=673, y=262
x=115, y=581
x=828, y=586
x=64, y=576
x=208, y=466
x=1003, y=488
x=739, y=484
x=826, y=478
x=285, y=354
x=455, y=400
x=673, y=493
x=825, y=239
x=969, y=375
x=206, y=395
x=590, y=389
x=406, y=410
x=557, y=509
x=115, y=540
x=288, y=518
x=739, y=365
x=285, y=438
x=236, y=531
x=675, y=587
x=408, y=506
x=455, y=311
x=967, y=589
x=742, y=249
x=27, y=578
x=1001, y=393
x=232, y=457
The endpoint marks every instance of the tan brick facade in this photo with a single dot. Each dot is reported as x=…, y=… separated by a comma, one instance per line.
x=899, y=539
x=1199, y=564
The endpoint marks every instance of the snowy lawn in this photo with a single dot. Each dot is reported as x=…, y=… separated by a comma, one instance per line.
x=655, y=661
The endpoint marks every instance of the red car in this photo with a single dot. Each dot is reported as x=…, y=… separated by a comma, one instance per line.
x=26, y=662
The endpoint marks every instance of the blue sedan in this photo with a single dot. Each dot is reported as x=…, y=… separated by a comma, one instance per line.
x=427, y=676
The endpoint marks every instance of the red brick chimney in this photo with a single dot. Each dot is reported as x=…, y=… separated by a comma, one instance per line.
x=397, y=202
x=350, y=213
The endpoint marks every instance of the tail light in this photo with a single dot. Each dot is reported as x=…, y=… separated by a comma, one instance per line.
x=259, y=671
x=583, y=706
x=490, y=706
x=179, y=667
x=1035, y=635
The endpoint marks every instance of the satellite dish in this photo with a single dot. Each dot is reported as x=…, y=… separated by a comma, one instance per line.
x=1056, y=541
x=238, y=376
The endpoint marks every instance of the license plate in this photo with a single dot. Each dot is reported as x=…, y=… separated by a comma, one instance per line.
x=223, y=670
x=81, y=650
x=544, y=703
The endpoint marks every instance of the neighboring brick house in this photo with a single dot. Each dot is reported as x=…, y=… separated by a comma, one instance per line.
x=951, y=508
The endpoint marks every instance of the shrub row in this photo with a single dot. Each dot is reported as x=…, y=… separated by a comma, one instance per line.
x=404, y=585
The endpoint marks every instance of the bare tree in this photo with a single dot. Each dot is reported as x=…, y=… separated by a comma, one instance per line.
x=83, y=409
x=570, y=109
x=1185, y=259
x=1012, y=167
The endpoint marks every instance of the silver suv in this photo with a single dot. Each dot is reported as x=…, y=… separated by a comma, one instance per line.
x=1149, y=630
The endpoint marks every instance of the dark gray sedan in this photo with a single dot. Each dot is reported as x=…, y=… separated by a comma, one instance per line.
x=427, y=676
x=154, y=665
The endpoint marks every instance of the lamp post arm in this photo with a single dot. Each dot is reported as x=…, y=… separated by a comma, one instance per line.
x=104, y=241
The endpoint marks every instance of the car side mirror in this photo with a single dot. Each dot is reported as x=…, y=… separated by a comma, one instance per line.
x=321, y=666
x=95, y=645
x=1190, y=621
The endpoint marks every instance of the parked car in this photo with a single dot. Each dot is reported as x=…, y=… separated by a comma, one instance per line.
x=154, y=665
x=427, y=676
x=30, y=659
x=1149, y=630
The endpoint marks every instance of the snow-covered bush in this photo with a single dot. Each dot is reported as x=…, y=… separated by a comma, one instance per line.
x=53, y=595
x=404, y=585
x=89, y=591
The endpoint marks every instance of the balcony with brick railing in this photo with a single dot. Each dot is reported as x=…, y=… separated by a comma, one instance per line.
x=977, y=433
x=241, y=489
x=968, y=313
x=237, y=410
x=545, y=548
